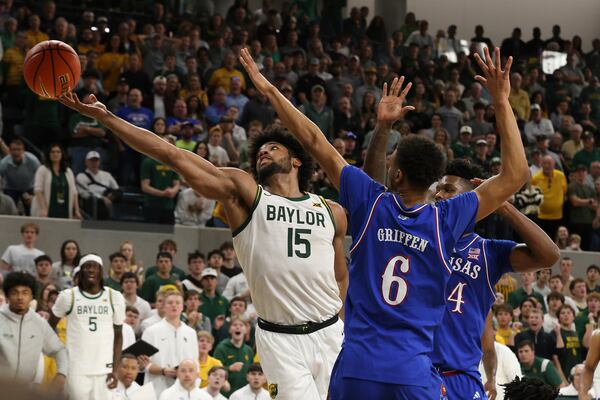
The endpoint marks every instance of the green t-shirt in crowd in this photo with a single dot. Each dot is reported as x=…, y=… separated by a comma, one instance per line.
x=111, y=283
x=175, y=271
x=77, y=120
x=462, y=151
x=161, y=177
x=213, y=307
x=153, y=283
x=544, y=370
x=571, y=355
x=516, y=298
x=229, y=354
x=182, y=144
x=586, y=157
x=581, y=215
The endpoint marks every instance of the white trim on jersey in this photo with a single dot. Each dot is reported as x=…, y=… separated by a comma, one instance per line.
x=360, y=238
x=404, y=210
x=439, y=240
x=470, y=243
x=487, y=269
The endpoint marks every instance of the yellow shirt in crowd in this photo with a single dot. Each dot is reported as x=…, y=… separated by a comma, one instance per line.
x=13, y=59
x=519, y=100
x=111, y=65
x=204, y=368
x=554, y=190
x=34, y=38
x=222, y=77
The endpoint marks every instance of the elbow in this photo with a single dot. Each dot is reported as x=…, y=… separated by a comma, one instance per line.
x=552, y=256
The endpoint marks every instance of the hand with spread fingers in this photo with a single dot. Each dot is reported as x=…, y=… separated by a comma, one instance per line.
x=390, y=107
x=93, y=109
x=494, y=78
x=260, y=82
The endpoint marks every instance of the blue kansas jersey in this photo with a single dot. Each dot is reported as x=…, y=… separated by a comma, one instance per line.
x=398, y=274
x=477, y=264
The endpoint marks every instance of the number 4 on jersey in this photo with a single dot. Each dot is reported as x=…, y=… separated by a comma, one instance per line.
x=456, y=297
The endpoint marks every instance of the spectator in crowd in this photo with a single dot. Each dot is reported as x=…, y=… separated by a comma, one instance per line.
x=583, y=201
x=20, y=257
x=185, y=386
x=17, y=171
x=572, y=353
x=236, y=97
x=585, y=321
x=163, y=276
x=553, y=184
x=217, y=107
x=62, y=270
x=160, y=185
x=462, y=147
x=118, y=267
x=214, y=305
x=537, y=125
x=158, y=100
x=196, y=264
x=577, y=288
x=222, y=77
x=573, y=145
x=170, y=247
x=43, y=273
x=175, y=341
x=545, y=343
x=452, y=117
x=318, y=112
x=191, y=315
x=186, y=140
x=537, y=367
x=130, y=284
x=193, y=209
x=254, y=390
x=542, y=282
x=25, y=334
x=218, y=154
x=206, y=361
x=234, y=354
x=126, y=375
x=592, y=278
x=566, y=273
x=97, y=188
x=519, y=98
x=504, y=315
x=229, y=268
x=589, y=153
x=562, y=237
x=215, y=261
x=217, y=382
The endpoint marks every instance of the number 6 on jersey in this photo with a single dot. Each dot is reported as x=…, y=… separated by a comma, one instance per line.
x=389, y=279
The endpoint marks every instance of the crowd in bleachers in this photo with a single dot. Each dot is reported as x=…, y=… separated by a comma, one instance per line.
x=175, y=71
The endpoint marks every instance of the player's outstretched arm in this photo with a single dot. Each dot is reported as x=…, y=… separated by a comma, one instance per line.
x=591, y=362
x=307, y=133
x=389, y=110
x=490, y=361
x=227, y=185
x=496, y=190
x=539, y=251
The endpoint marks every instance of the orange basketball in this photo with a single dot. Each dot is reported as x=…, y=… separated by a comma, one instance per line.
x=51, y=68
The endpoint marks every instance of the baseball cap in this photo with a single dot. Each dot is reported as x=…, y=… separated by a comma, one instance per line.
x=122, y=80
x=466, y=129
x=495, y=161
x=208, y=272
x=371, y=70
x=226, y=119
x=350, y=135
x=92, y=154
x=535, y=107
x=317, y=87
x=481, y=142
x=581, y=167
x=315, y=61
x=186, y=123
x=541, y=136
x=587, y=135
x=160, y=78
x=355, y=57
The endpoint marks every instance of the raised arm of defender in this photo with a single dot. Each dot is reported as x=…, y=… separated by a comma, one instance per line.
x=307, y=133
x=496, y=190
x=233, y=187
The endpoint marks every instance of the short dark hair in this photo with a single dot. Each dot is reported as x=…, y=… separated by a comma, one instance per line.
x=164, y=254
x=464, y=169
x=17, y=141
x=43, y=257
x=130, y=275
x=19, y=278
x=503, y=308
x=593, y=266
x=216, y=368
x=524, y=343
x=575, y=282
x=226, y=245
x=190, y=293
x=566, y=306
x=213, y=252
x=529, y=389
x=132, y=309
x=167, y=242
x=196, y=254
x=128, y=356
x=421, y=161
x=282, y=136
x=254, y=368
x=117, y=254
x=555, y=295
x=31, y=225
x=237, y=298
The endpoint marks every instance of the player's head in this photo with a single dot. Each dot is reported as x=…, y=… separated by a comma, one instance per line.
x=277, y=152
x=187, y=373
x=90, y=274
x=457, y=179
x=415, y=165
x=529, y=389
x=255, y=376
x=128, y=369
x=19, y=288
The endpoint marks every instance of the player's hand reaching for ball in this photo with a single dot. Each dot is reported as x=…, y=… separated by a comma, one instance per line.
x=496, y=80
x=260, y=82
x=92, y=109
x=390, y=107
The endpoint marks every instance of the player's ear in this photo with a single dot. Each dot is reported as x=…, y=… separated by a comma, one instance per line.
x=296, y=163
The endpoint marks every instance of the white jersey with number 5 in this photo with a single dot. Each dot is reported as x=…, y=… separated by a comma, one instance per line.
x=286, y=251
x=90, y=332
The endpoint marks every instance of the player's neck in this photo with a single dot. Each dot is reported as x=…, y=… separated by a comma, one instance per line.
x=91, y=289
x=284, y=185
x=410, y=198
